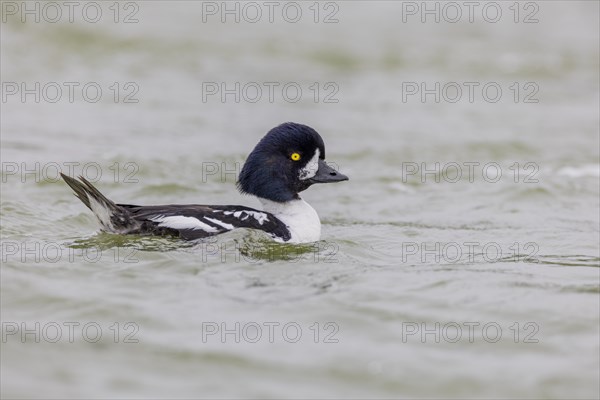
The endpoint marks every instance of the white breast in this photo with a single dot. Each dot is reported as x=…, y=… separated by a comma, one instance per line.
x=301, y=219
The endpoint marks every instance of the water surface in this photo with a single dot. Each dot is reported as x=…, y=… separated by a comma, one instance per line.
x=435, y=277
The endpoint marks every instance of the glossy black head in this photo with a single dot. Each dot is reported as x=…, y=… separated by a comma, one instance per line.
x=289, y=159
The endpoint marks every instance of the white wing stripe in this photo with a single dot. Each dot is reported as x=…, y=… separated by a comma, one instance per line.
x=220, y=223
x=181, y=222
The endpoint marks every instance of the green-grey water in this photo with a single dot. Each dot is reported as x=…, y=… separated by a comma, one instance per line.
x=461, y=260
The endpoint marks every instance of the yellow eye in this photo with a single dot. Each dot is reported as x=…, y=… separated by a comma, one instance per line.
x=295, y=156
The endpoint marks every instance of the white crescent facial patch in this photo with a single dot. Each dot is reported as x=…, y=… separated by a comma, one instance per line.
x=311, y=167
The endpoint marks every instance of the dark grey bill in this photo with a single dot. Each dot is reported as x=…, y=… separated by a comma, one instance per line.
x=326, y=174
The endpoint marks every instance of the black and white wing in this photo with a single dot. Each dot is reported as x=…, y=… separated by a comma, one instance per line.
x=199, y=221
x=186, y=221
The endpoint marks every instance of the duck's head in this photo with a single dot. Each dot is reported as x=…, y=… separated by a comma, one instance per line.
x=289, y=159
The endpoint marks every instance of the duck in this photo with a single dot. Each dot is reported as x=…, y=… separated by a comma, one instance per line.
x=286, y=161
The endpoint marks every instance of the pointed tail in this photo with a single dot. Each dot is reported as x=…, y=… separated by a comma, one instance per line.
x=112, y=217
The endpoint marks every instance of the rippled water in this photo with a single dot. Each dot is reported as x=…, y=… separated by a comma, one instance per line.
x=435, y=277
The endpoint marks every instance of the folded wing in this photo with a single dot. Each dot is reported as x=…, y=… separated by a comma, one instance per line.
x=199, y=221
